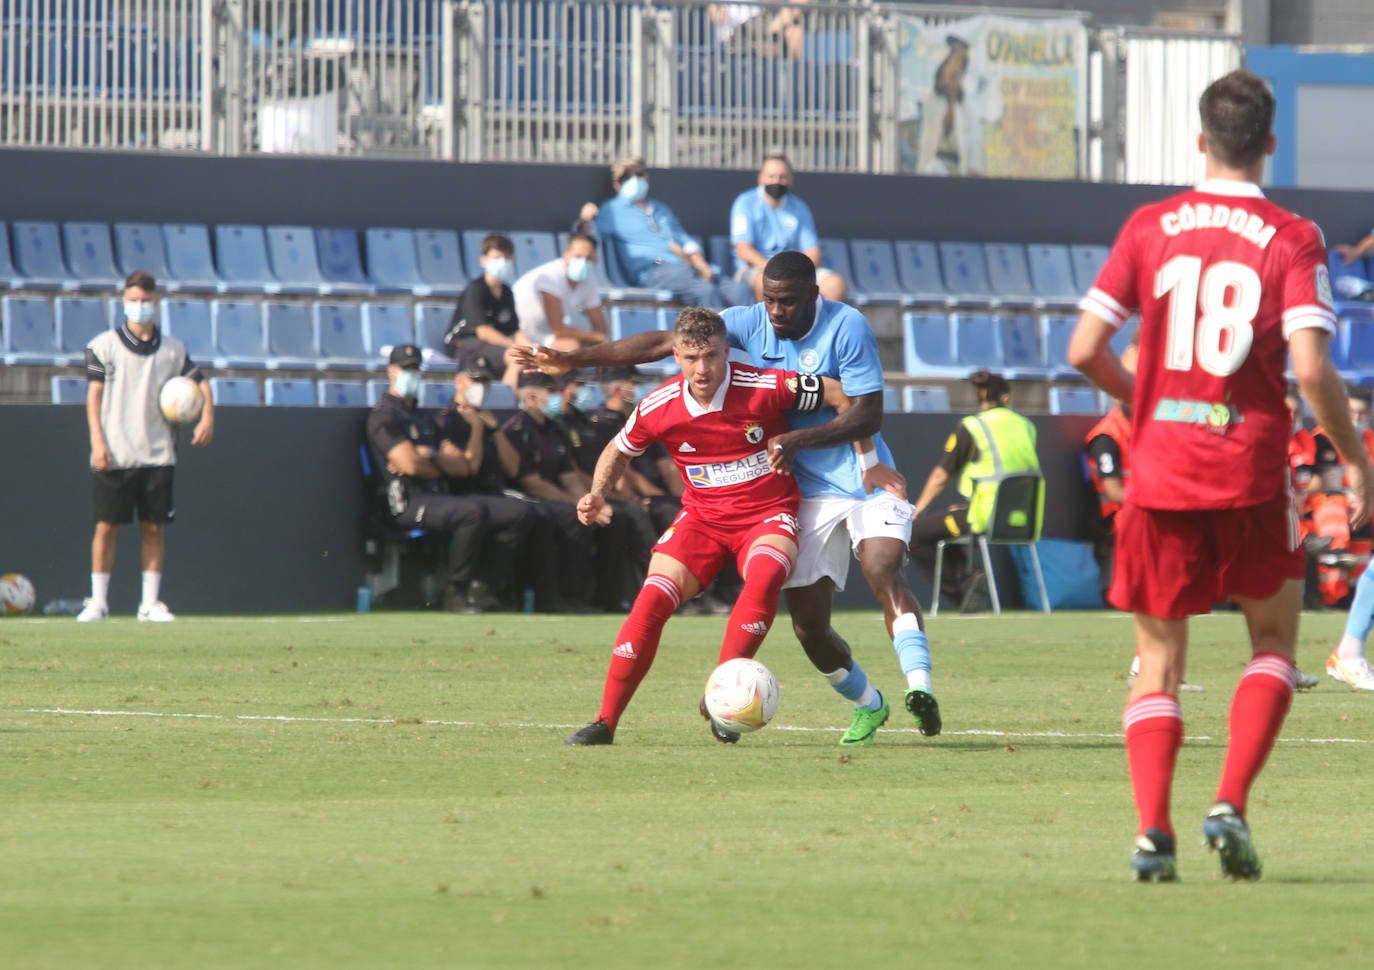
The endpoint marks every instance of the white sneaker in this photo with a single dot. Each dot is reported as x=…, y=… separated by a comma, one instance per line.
x=1353, y=673
x=155, y=613
x=92, y=611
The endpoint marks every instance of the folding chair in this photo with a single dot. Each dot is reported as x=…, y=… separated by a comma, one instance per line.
x=1013, y=521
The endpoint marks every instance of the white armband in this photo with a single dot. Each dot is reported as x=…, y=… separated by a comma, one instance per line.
x=867, y=459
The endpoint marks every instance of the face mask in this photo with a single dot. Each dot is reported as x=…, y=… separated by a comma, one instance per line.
x=588, y=398
x=138, y=312
x=634, y=188
x=408, y=383
x=578, y=269
x=1360, y=425
x=499, y=268
x=553, y=407
x=775, y=190
x=475, y=394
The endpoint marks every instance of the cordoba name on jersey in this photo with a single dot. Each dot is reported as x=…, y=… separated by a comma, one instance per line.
x=721, y=473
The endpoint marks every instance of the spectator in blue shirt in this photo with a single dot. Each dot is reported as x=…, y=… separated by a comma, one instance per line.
x=654, y=250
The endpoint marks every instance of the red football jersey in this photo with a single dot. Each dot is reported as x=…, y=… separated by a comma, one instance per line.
x=720, y=448
x=1221, y=277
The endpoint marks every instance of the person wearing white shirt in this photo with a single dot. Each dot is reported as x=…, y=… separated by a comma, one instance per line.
x=547, y=295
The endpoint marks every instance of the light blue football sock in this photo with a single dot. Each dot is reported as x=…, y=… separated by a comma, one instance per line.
x=1361, y=616
x=913, y=649
x=853, y=685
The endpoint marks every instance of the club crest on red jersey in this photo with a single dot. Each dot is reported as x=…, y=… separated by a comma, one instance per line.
x=753, y=433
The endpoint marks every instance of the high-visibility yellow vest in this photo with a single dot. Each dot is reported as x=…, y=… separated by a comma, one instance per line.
x=1006, y=446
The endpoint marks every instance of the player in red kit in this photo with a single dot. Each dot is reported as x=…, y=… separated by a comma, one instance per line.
x=1227, y=285
x=717, y=421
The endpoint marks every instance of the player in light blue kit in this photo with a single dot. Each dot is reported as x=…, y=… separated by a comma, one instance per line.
x=794, y=328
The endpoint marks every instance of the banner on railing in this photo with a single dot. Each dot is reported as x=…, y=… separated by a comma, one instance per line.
x=992, y=96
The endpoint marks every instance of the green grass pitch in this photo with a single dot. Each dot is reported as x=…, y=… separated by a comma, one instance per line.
x=392, y=790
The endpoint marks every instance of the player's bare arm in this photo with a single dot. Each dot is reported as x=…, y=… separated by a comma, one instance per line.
x=1090, y=351
x=1321, y=385
x=935, y=484
x=609, y=469
x=638, y=348
x=100, y=449
x=863, y=419
x=205, y=428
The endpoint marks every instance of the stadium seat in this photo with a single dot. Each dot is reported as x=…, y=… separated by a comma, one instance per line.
x=1051, y=274
x=874, y=269
x=1009, y=274
x=90, y=255
x=533, y=249
x=77, y=320
x=1021, y=353
x=918, y=268
x=243, y=261
x=290, y=392
x=1122, y=338
x=140, y=246
x=340, y=260
x=68, y=390
x=1357, y=270
x=1055, y=332
x=435, y=394
x=235, y=391
x=965, y=273
x=919, y=399
x=1087, y=262
x=441, y=261
x=340, y=330
x=37, y=253
x=1074, y=400
x=721, y=255
x=29, y=335
x=239, y=338
x=291, y=340
x=500, y=396
x=9, y=276
x=188, y=320
x=189, y=263
x=630, y=320
x=432, y=321
x=472, y=251
x=386, y=325
x=976, y=342
x=342, y=394
x=928, y=346
x=1358, y=324
x=835, y=257
x=295, y=261
x=892, y=399
x=392, y=261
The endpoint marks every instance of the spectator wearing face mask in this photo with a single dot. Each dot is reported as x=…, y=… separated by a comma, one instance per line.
x=653, y=248
x=768, y=219
x=486, y=324
x=547, y=295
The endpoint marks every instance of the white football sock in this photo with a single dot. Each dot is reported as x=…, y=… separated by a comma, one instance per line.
x=100, y=588
x=152, y=583
x=1350, y=648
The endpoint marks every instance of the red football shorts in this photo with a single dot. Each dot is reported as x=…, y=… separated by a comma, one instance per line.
x=1172, y=564
x=703, y=549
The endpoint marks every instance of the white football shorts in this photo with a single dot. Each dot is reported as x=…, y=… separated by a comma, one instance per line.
x=832, y=526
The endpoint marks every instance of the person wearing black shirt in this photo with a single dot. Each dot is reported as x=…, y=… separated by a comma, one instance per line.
x=485, y=323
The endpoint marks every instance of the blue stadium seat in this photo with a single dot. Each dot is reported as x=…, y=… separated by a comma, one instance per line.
x=1055, y=332
x=290, y=392
x=533, y=249
x=500, y=396
x=189, y=262
x=69, y=390
x=1009, y=273
x=140, y=246
x=189, y=321
x=1051, y=274
x=928, y=346
x=1358, y=324
x=919, y=399
x=29, y=335
x=37, y=255
x=1087, y=262
x=965, y=273
x=441, y=261
x=386, y=325
x=235, y=392
x=918, y=268
x=721, y=255
x=1122, y=338
x=1074, y=400
x=340, y=330
x=472, y=251
x=376, y=389
x=340, y=260
x=976, y=341
x=874, y=268
x=435, y=394
x=892, y=399
x=90, y=255
x=835, y=257
x=431, y=323
x=295, y=261
x=9, y=276
x=243, y=261
x=239, y=338
x=629, y=320
x=291, y=340
x=392, y=261
x=1022, y=355
x=78, y=320
x=342, y=394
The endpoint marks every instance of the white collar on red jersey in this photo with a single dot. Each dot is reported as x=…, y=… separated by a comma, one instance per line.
x=1232, y=187
x=696, y=410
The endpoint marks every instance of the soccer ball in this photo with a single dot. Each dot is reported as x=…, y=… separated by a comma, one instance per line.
x=181, y=400
x=16, y=595
x=742, y=695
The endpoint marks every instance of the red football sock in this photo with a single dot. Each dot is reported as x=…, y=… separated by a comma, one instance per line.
x=764, y=572
x=637, y=643
x=1258, y=709
x=1154, y=732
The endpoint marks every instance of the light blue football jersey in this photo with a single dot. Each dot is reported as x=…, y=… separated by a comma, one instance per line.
x=840, y=345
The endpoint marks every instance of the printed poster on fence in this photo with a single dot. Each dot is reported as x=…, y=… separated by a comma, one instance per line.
x=993, y=96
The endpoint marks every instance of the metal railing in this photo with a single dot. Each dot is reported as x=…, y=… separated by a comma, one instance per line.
x=682, y=82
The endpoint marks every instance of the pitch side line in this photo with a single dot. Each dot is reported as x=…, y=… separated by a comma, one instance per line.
x=291, y=719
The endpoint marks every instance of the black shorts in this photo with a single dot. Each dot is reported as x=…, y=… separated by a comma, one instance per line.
x=118, y=493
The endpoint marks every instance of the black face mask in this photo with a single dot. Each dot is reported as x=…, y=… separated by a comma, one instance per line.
x=775, y=190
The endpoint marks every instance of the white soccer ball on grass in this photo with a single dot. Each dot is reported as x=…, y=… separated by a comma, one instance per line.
x=16, y=594
x=742, y=695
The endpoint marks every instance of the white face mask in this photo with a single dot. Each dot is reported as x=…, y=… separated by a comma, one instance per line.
x=475, y=394
x=138, y=312
x=499, y=268
x=578, y=269
x=408, y=383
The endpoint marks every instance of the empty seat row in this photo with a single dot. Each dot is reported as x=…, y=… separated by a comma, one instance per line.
x=302, y=392
x=1021, y=346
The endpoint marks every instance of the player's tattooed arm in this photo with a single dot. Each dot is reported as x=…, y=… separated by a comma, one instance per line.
x=592, y=508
